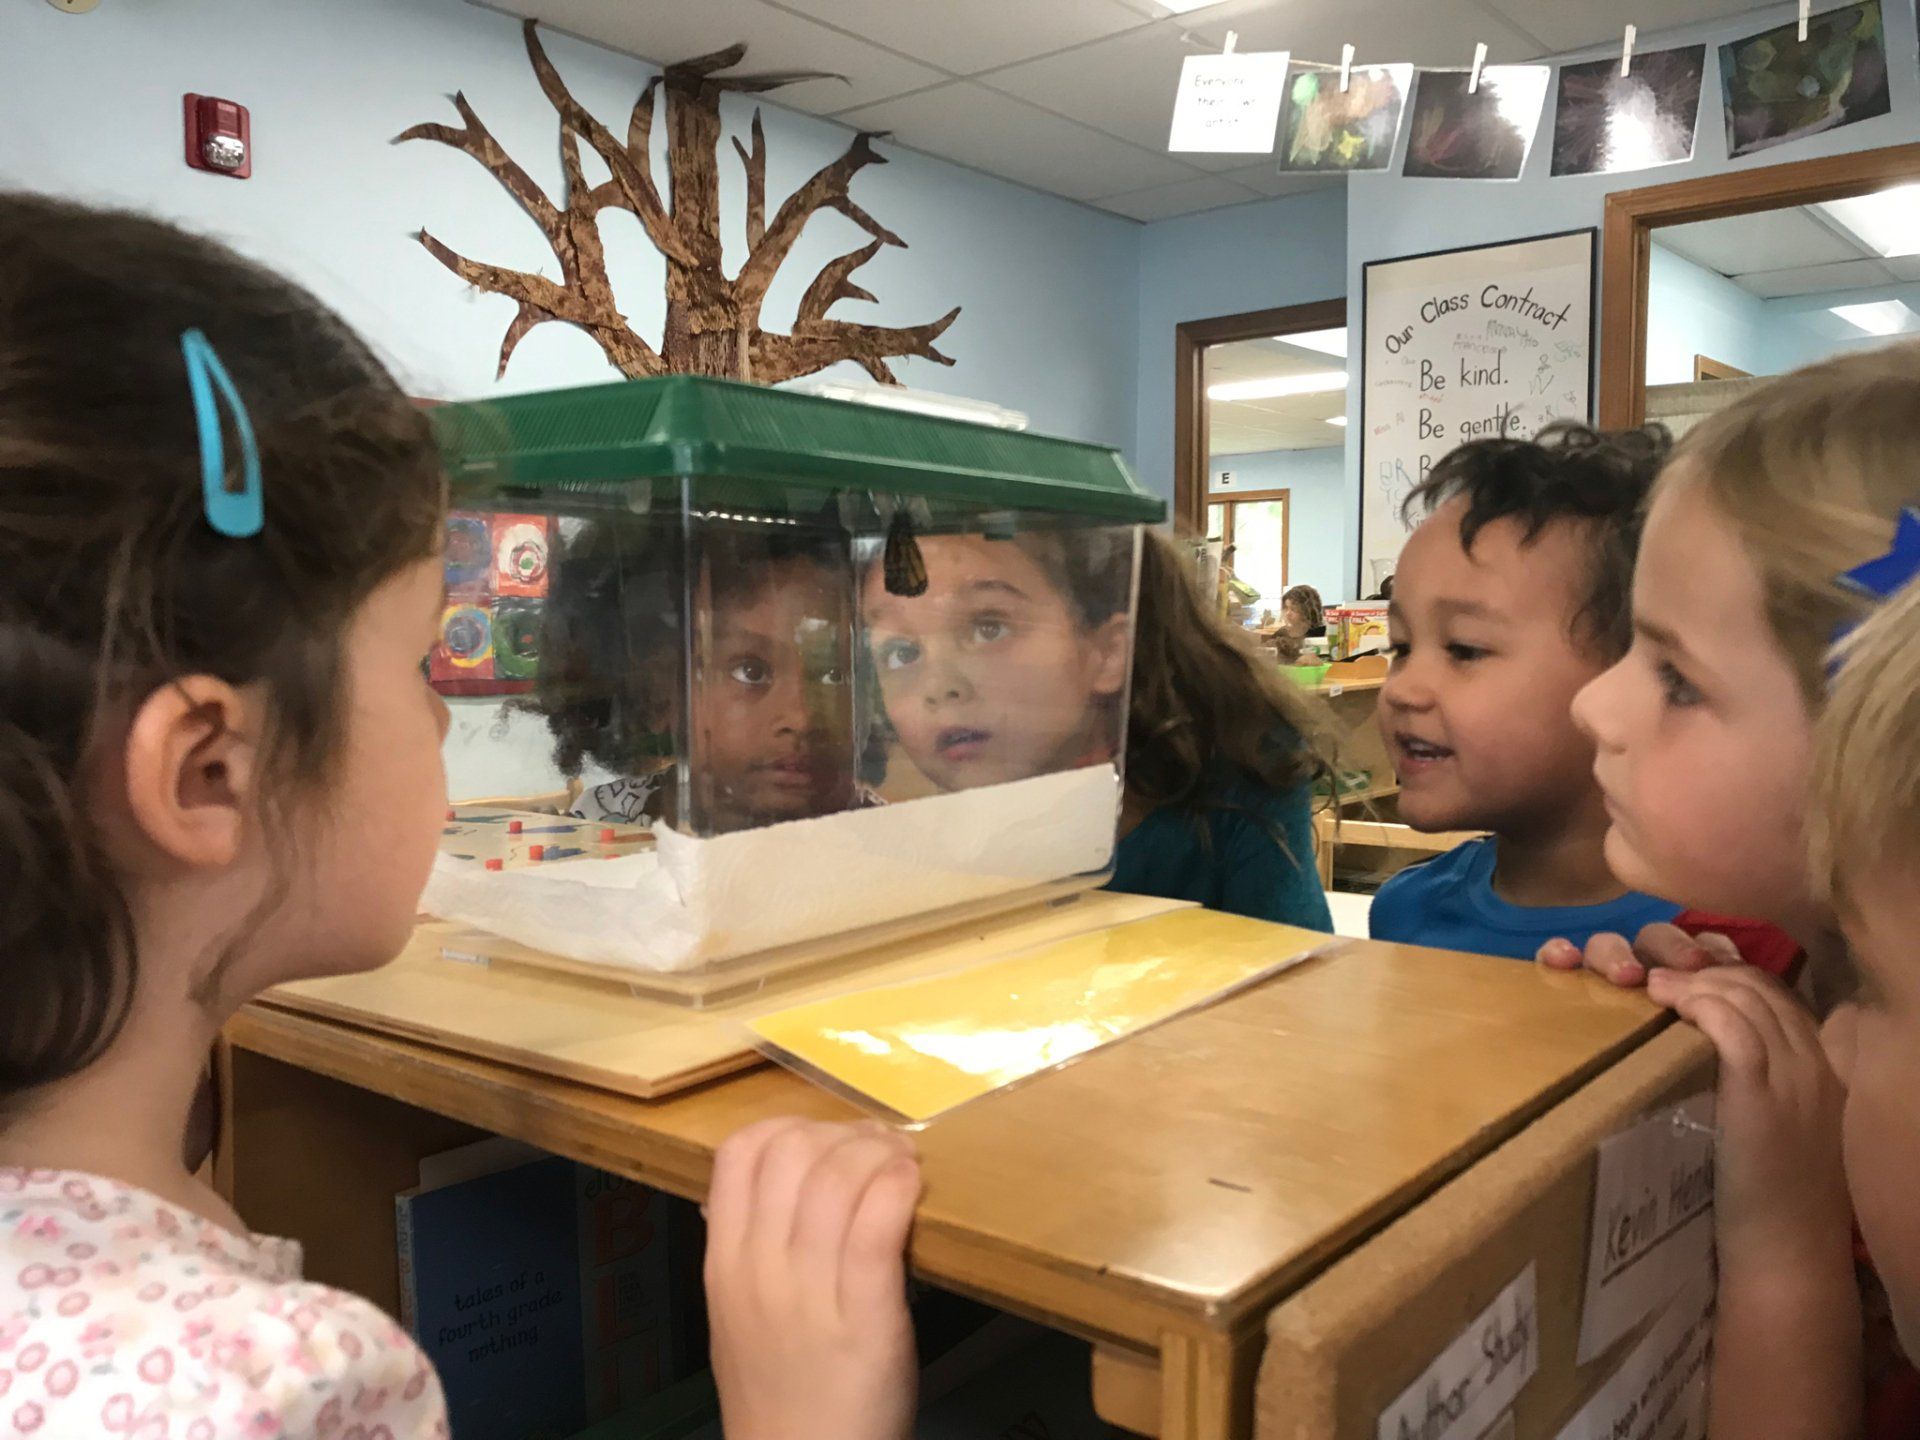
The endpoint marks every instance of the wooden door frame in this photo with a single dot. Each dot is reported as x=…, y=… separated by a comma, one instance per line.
x=1190, y=341
x=1284, y=496
x=1627, y=243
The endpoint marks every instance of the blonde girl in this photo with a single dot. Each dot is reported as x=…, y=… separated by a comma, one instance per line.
x=1705, y=737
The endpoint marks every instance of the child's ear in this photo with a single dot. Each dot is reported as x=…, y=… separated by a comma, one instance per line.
x=190, y=762
x=1113, y=655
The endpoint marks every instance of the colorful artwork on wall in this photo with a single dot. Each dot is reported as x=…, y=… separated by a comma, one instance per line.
x=496, y=567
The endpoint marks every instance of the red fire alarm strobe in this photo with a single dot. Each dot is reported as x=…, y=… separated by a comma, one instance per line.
x=219, y=137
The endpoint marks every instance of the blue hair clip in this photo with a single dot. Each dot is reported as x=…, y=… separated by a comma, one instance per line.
x=236, y=513
x=1883, y=576
x=1880, y=578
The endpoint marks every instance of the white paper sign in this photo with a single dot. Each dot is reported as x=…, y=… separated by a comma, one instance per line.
x=1467, y=345
x=1652, y=1221
x=1660, y=1390
x=1461, y=1395
x=1229, y=103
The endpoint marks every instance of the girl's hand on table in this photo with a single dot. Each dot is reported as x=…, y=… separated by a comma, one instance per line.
x=806, y=1281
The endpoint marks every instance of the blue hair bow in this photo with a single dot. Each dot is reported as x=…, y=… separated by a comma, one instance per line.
x=1880, y=578
x=1883, y=576
x=240, y=513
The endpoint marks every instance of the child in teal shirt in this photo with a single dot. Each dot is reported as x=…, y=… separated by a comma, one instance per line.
x=1222, y=755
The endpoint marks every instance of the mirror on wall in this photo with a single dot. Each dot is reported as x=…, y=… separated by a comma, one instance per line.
x=1275, y=425
x=1735, y=299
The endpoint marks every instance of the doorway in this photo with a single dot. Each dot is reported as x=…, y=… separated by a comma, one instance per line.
x=1259, y=416
x=1818, y=269
x=1253, y=532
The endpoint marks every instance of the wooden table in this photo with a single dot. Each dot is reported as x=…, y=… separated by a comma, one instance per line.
x=1156, y=1198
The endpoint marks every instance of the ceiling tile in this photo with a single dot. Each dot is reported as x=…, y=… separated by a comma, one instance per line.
x=1000, y=135
x=1270, y=355
x=1241, y=428
x=664, y=31
x=1183, y=197
x=1124, y=86
x=1432, y=33
x=962, y=36
x=1812, y=279
x=1269, y=180
x=1561, y=25
x=1905, y=268
x=1746, y=244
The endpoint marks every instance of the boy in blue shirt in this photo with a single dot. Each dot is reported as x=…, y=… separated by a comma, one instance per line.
x=1512, y=594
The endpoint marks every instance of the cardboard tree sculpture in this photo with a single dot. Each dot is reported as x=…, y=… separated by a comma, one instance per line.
x=713, y=321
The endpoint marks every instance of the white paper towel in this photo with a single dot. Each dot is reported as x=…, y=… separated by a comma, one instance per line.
x=694, y=902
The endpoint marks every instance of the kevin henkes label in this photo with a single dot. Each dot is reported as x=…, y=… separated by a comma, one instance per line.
x=1652, y=1221
x=1469, y=1384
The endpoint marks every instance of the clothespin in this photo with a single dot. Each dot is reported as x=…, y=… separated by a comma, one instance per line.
x=1233, y=39
x=1626, y=53
x=1479, y=59
x=1346, y=66
x=1805, y=6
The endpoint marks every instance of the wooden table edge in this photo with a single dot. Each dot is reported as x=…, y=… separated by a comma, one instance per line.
x=1101, y=1306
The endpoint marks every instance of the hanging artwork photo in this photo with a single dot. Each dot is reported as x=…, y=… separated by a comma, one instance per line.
x=1466, y=132
x=1229, y=104
x=1605, y=122
x=1327, y=129
x=496, y=573
x=1778, y=88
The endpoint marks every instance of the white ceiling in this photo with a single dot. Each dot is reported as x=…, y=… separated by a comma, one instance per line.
x=1074, y=97
x=1285, y=422
x=1786, y=252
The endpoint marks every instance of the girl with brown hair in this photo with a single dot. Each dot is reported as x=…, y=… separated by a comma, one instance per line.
x=220, y=572
x=1223, y=757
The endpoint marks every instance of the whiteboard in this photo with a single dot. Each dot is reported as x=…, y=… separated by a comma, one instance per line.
x=1465, y=345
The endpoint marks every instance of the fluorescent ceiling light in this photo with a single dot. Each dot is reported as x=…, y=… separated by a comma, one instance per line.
x=1324, y=342
x=1339, y=420
x=1887, y=223
x=1882, y=317
x=1317, y=382
x=1182, y=7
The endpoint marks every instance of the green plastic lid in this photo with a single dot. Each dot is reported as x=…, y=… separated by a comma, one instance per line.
x=752, y=444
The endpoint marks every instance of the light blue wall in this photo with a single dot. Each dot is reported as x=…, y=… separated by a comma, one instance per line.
x=1068, y=314
x=1317, y=496
x=1224, y=262
x=1389, y=215
x=1047, y=286
x=1694, y=311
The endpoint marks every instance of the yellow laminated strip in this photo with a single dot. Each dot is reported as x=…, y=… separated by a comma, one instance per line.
x=924, y=1046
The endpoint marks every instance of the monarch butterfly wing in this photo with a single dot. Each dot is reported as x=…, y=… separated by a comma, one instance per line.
x=906, y=568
